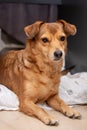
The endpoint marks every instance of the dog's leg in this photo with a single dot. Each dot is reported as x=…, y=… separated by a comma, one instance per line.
x=32, y=109
x=59, y=105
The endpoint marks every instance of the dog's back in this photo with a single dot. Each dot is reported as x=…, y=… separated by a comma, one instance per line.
x=9, y=69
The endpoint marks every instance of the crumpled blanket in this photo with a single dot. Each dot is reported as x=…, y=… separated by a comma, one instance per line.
x=73, y=90
x=8, y=99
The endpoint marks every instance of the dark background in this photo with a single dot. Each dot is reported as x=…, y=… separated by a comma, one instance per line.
x=16, y=14
x=77, y=15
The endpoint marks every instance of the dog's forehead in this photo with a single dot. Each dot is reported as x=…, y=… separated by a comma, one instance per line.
x=52, y=28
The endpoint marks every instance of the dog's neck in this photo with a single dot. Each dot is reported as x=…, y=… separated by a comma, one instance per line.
x=42, y=65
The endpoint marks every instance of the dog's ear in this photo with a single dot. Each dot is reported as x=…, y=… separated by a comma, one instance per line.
x=32, y=30
x=69, y=29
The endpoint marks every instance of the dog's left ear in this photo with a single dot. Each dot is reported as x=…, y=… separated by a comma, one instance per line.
x=69, y=29
x=32, y=30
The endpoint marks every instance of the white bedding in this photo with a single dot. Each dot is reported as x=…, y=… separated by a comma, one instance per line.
x=73, y=90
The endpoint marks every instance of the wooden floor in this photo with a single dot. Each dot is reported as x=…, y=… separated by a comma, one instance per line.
x=14, y=120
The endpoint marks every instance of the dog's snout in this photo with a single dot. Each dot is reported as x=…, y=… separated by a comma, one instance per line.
x=58, y=54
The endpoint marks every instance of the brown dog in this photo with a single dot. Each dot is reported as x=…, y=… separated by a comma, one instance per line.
x=34, y=72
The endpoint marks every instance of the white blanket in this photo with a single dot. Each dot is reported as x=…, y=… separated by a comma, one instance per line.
x=8, y=99
x=73, y=90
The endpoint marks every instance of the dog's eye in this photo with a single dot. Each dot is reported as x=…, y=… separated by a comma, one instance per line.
x=62, y=38
x=45, y=40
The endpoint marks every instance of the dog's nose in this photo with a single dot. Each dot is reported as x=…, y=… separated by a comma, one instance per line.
x=57, y=54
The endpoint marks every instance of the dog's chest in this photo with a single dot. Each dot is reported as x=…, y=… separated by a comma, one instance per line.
x=47, y=87
x=43, y=84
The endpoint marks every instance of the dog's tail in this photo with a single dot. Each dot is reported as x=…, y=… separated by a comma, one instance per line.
x=64, y=72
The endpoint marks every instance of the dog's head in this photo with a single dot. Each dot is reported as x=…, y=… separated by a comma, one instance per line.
x=49, y=39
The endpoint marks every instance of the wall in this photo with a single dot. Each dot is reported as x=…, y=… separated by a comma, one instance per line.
x=77, y=44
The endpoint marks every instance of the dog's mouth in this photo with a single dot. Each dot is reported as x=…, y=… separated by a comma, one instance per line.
x=57, y=59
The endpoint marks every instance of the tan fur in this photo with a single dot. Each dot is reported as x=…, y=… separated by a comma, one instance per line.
x=33, y=74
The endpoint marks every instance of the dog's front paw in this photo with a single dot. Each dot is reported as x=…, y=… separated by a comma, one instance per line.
x=71, y=113
x=50, y=121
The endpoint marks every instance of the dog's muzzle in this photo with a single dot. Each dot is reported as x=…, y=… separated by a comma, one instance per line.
x=58, y=55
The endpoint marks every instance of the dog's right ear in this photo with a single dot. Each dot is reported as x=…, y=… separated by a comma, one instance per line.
x=32, y=30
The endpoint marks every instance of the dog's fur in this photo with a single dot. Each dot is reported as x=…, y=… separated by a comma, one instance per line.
x=34, y=72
